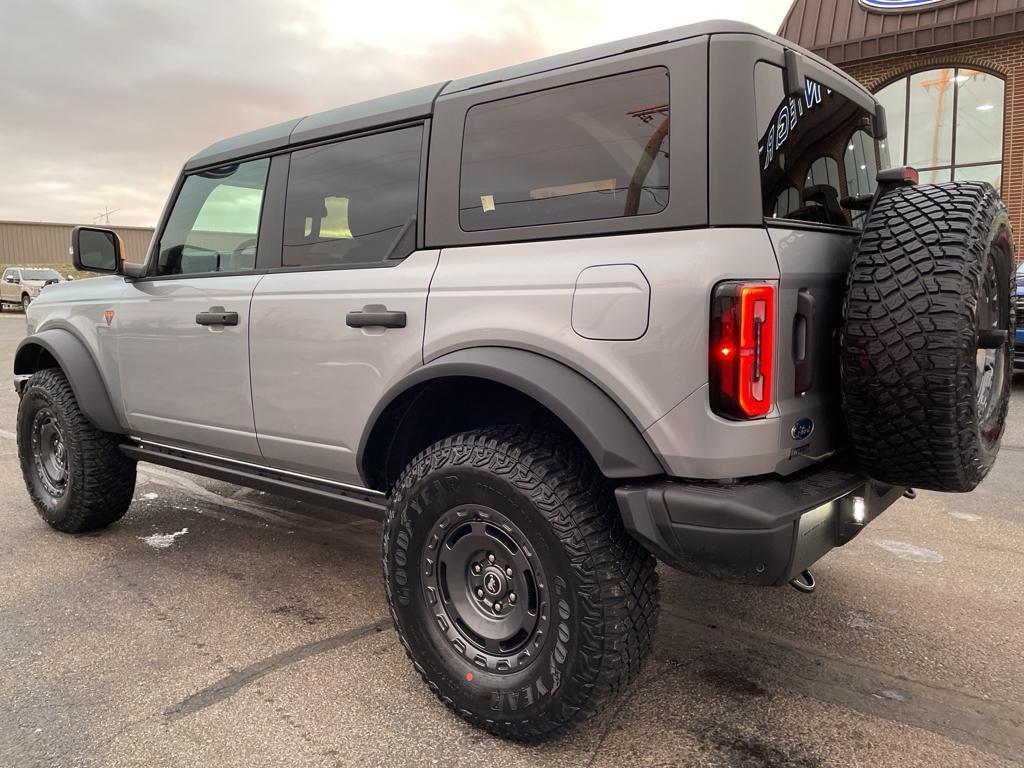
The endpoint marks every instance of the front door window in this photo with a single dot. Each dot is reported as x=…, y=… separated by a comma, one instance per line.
x=213, y=225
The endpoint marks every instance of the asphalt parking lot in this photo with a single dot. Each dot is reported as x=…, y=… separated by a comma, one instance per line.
x=218, y=626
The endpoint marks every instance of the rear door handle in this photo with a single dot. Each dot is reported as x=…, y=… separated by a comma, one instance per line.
x=217, y=316
x=375, y=317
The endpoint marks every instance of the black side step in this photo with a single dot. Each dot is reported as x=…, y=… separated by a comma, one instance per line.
x=311, y=491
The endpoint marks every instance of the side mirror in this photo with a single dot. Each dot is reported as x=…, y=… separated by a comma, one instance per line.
x=11, y=279
x=96, y=250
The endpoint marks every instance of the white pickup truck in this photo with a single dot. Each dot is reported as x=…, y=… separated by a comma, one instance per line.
x=20, y=285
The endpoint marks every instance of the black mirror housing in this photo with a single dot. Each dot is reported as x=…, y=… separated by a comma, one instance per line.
x=94, y=249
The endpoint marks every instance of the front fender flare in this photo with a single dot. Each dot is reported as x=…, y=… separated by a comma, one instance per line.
x=80, y=369
x=616, y=444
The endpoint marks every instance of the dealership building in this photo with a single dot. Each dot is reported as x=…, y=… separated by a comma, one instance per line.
x=950, y=74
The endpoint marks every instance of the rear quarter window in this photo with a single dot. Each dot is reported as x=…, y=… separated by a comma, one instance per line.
x=816, y=152
x=592, y=150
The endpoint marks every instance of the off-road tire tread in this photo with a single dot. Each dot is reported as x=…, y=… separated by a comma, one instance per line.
x=101, y=477
x=908, y=340
x=619, y=583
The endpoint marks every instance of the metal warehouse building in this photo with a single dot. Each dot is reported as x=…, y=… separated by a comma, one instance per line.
x=32, y=242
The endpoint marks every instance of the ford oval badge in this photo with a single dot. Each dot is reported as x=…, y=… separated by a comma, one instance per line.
x=802, y=429
x=902, y=5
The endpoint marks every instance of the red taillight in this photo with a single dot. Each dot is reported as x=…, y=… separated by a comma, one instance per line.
x=742, y=359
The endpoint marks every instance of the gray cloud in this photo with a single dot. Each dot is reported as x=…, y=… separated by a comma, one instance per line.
x=101, y=101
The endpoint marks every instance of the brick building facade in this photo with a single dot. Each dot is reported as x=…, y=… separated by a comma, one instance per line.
x=880, y=46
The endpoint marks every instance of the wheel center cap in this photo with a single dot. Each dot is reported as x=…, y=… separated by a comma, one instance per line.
x=494, y=582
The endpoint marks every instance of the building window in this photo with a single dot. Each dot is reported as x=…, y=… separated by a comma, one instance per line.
x=947, y=123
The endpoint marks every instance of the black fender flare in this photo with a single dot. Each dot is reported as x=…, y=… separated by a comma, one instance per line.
x=79, y=367
x=616, y=444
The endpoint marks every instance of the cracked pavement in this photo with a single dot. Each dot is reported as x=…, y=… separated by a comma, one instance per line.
x=259, y=636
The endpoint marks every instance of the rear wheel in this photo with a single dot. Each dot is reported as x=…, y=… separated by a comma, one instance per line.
x=514, y=588
x=76, y=475
x=927, y=354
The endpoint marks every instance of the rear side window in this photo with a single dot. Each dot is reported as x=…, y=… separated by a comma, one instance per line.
x=593, y=150
x=350, y=203
x=214, y=223
x=816, y=152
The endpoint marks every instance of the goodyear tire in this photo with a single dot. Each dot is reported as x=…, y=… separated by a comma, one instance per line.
x=927, y=357
x=514, y=589
x=76, y=475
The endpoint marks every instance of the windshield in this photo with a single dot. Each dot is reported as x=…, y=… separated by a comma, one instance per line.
x=40, y=274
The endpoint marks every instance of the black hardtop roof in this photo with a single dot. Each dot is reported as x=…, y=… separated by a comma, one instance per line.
x=419, y=102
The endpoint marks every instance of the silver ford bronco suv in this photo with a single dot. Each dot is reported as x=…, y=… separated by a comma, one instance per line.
x=661, y=298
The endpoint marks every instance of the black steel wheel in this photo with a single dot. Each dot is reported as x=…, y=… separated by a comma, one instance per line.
x=514, y=588
x=480, y=569
x=76, y=475
x=49, y=454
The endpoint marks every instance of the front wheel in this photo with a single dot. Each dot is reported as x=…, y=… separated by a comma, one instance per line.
x=25, y=301
x=514, y=588
x=76, y=475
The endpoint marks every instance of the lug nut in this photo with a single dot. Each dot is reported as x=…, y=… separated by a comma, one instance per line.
x=508, y=572
x=476, y=568
x=490, y=557
x=480, y=593
x=497, y=607
x=511, y=598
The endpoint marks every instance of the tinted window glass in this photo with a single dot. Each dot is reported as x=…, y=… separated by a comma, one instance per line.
x=349, y=203
x=815, y=143
x=594, y=150
x=215, y=221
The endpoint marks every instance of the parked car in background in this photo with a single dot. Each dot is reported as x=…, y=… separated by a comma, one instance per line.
x=1018, y=348
x=20, y=285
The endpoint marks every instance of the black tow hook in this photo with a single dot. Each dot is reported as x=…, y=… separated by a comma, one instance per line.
x=910, y=493
x=804, y=583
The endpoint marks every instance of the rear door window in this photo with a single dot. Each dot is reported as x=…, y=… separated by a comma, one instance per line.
x=350, y=203
x=816, y=152
x=592, y=150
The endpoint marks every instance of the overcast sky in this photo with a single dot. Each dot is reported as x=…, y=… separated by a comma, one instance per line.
x=102, y=100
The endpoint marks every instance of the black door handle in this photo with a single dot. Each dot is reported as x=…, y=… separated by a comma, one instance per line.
x=804, y=341
x=375, y=318
x=217, y=316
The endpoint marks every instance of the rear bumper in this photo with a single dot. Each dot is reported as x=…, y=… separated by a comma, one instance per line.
x=764, y=531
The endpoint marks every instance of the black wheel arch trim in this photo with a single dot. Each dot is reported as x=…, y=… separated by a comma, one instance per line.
x=609, y=435
x=81, y=370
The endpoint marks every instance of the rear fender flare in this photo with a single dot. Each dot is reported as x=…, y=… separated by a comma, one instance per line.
x=616, y=444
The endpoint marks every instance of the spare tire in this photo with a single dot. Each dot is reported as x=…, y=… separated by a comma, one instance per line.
x=927, y=357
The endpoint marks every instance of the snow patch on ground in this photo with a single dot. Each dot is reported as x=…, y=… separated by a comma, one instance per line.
x=888, y=693
x=150, y=496
x=966, y=516
x=906, y=551
x=163, y=540
x=859, y=620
